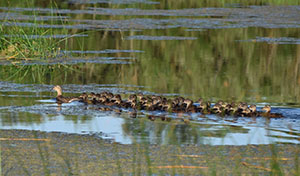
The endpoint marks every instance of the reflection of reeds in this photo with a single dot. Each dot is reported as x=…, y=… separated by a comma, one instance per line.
x=206, y=67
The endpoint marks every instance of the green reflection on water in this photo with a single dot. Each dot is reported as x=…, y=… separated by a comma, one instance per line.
x=218, y=65
x=223, y=64
x=215, y=66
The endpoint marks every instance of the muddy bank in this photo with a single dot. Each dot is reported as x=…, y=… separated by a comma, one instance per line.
x=38, y=153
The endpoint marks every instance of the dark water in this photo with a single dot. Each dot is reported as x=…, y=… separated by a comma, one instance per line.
x=233, y=50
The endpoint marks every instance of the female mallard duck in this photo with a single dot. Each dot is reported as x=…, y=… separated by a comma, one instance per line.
x=60, y=98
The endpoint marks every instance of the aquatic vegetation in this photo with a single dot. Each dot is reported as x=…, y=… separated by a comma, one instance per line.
x=17, y=44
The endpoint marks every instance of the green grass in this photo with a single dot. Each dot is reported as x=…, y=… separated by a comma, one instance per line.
x=17, y=43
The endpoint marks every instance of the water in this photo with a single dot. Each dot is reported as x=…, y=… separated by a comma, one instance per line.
x=231, y=51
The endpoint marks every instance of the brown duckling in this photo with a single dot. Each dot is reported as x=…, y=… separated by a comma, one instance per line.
x=188, y=103
x=266, y=109
x=217, y=108
x=167, y=105
x=116, y=99
x=253, y=112
x=140, y=96
x=60, y=98
x=132, y=98
x=189, y=106
x=83, y=97
x=102, y=100
x=267, y=112
x=252, y=108
x=245, y=112
x=242, y=106
x=204, y=107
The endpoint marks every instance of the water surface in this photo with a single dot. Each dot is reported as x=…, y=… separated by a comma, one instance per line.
x=235, y=51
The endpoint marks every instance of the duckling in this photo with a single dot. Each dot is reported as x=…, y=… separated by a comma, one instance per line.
x=252, y=108
x=233, y=110
x=116, y=99
x=242, y=106
x=167, y=105
x=92, y=98
x=253, y=111
x=152, y=106
x=83, y=97
x=267, y=112
x=133, y=104
x=60, y=98
x=205, y=107
x=188, y=103
x=217, y=108
x=132, y=98
x=109, y=96
x=245, y=112
x=140, y=96
x=266, y=109
x=102, y=100
x=222, y=103
x=227, y=109
x=189, y=106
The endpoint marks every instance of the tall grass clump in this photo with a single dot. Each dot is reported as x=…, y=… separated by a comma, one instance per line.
x=27, y=43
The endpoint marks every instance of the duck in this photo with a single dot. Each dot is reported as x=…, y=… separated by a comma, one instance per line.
x=61, y=99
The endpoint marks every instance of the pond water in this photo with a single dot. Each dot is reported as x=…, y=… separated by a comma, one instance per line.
x=229, y=50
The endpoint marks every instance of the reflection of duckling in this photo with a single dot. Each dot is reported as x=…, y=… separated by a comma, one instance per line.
x=60, y=98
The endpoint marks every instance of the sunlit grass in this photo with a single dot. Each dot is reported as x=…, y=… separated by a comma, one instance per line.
x=16, y=43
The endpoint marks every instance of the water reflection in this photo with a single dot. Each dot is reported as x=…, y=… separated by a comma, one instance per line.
x=123, y=129
x=240, y=52
x=128, y=126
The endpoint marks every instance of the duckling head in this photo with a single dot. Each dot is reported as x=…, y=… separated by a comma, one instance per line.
x=188, y=103
x=252, y=108
x=266, y=108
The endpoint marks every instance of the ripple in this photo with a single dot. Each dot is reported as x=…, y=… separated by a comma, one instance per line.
x=254, y=16
x=107, y=51
x=145, y=37
x=273, y=40
x=112, y=1
x=70, y=88
x=57, y=36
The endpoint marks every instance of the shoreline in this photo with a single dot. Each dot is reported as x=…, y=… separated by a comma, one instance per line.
x=36, y=153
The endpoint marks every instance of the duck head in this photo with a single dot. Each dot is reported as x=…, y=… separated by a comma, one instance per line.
x=58, y=89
